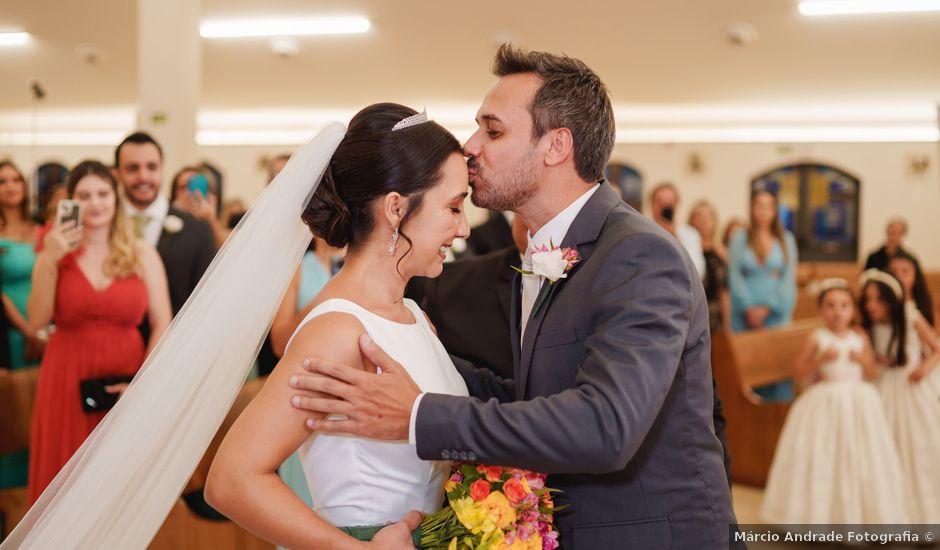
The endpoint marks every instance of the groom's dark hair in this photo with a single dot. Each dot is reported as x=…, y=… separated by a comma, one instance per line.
x=571, y=96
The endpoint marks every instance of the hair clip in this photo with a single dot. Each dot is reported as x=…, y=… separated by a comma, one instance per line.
x=413, y=120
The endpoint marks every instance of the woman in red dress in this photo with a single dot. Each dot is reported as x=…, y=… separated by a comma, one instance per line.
x=96, y=282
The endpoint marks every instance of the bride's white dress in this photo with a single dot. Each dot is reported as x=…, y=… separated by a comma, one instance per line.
x=356, y=481
x=913, y=411
x=836, y=461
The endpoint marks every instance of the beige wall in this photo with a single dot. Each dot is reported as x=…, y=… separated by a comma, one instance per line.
x=888, y=187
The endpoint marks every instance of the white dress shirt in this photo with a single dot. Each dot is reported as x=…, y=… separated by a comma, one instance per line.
x=157, y=212
x=690, y=239
x=553, y=232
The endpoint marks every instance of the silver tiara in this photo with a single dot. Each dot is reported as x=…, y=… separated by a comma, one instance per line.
x=413, y=120
x=882, y=277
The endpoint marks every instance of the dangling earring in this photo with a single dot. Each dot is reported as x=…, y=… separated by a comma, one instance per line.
x=391, y=248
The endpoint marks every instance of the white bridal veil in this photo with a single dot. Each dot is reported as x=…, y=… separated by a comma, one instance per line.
x=119, y=486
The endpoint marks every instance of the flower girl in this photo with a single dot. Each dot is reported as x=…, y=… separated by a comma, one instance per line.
x=836, y=462
x=907, y=350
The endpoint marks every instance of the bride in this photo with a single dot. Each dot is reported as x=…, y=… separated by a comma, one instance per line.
x=393, y=193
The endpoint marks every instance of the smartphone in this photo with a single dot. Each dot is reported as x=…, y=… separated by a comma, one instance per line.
x=198, y=183
x=68, y=211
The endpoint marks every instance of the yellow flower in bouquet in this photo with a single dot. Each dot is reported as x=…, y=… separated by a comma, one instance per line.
x=492, y=508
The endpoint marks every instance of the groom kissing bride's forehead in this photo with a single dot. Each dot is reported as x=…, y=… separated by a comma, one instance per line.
x=612, y=394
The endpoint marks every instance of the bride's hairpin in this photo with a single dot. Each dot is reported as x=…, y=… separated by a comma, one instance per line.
x=413, y=120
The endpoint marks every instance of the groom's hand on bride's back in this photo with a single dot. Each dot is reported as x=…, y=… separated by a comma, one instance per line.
x=374, y=405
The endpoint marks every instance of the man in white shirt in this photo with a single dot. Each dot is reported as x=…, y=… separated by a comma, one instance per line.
x=664, y=204
x=612, y=394
x=185, y=243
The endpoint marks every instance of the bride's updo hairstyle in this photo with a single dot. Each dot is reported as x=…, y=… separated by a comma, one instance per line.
x=372, y=161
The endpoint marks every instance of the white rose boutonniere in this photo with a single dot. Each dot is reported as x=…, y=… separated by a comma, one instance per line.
x=173, y=224
x=552, y=262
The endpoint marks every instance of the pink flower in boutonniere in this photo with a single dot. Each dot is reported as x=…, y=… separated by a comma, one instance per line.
x=552, y=262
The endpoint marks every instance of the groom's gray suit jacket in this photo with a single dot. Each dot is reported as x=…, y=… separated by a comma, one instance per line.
x=612, y=396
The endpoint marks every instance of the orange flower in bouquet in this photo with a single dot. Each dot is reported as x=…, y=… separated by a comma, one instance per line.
x=492, y=508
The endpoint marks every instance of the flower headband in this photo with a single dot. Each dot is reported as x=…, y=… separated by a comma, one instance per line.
x=413, y=120
x=834, y=283
x=884, y=278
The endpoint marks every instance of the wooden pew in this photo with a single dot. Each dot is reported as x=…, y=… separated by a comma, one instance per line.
x=805, y=307
x=809, y=272
x=933, y=285
x=740, y=362
x=182, y=528
x=17, y=395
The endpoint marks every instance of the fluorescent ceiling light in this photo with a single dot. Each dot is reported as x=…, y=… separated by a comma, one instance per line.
x=853, y=7
x=780, y=134
x=13, y=38
x=297, y=26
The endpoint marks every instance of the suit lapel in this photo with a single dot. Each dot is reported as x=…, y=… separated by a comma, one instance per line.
x=511, y=258
x=585, y=229
x=166, y=238
x=514, y=314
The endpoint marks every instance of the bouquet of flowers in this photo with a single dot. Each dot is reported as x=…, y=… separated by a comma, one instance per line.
x=492, y=508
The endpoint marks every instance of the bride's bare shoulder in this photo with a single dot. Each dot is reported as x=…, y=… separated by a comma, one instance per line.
x=333, y=336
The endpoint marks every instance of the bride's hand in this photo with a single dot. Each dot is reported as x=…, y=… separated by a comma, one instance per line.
x=398, y=535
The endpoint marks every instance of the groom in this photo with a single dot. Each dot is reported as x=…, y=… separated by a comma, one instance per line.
x=612, y=393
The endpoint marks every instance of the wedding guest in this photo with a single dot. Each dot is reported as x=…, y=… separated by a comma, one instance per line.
x=232, y=212
x=907, y=270
x=731, y=227
x=762, y=277
x=907, y=352
x=97, y=282
x=704, y=219
x=315, y=270
x=275, y=165
x=203, y=206
x=894, y=234
x=469, y=304
x=18, y=235
x=835, y=462
x=267, y=358
x=56, y=194
x=664, y=201
x=493, y=234
x=185, y=244
x=23, y=344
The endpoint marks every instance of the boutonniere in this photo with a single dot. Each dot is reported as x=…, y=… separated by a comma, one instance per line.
x=172, y=224
x=552, y=262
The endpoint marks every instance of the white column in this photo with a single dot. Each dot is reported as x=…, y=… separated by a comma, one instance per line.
x=169, y=75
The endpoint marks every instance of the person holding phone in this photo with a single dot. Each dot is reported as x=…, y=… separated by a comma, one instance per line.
x=97, y=282
x=195, y=191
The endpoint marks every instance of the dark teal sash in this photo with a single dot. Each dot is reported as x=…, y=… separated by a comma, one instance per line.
x=367, y=532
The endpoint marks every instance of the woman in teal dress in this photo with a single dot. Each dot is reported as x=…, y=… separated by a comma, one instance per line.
x=17, y=256
x=762, y=278
x=315, y=270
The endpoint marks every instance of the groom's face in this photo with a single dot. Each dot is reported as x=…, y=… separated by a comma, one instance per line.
x=504, y=159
